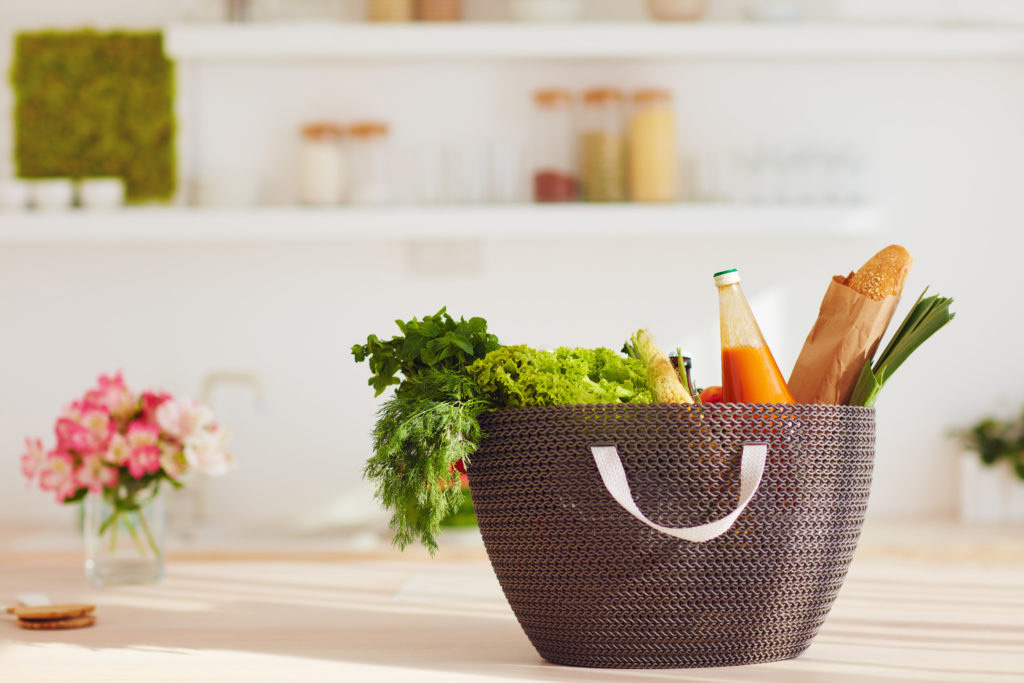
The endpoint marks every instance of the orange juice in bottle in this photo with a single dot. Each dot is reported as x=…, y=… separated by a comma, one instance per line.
x=749, y=371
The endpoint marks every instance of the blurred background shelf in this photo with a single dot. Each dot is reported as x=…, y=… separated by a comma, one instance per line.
x=604, y=40
x=152, y=225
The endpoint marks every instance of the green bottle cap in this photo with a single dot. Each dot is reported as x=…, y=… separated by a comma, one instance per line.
x=727, y=277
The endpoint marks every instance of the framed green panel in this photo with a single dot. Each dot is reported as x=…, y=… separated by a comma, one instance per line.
x=95, y=104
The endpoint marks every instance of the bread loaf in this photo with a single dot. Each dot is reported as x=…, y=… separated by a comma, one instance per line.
x=883, y=275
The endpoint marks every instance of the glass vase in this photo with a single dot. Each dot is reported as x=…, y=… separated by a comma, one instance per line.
x=124, y=539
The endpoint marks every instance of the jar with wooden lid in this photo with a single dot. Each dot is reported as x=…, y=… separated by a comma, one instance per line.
x=321, y=164
x=371, y=173
x=603, y=146
x=390, y=10
x=439, y=10
x=553, y=147
x=653, y=157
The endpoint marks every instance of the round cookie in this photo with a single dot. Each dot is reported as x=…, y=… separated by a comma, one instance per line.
x=58, y=624
x=50, y=612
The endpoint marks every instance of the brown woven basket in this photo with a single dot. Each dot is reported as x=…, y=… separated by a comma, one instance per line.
x=593, y=586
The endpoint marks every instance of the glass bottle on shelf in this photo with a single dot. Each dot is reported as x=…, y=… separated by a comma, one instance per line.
x=749, y=371
x=554, y=158
x=439, y=10
x=321, y=164
x=653, y=156
x=602, y=147
x=390, y=10
x=370, y=180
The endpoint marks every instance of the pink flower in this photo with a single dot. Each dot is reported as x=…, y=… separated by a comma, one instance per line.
x=33, y=458
x=142, y=434
x=172, y=459
x=85, y=428
x=112, y=394
x=151, y=400
x=183, y=419
x=207, y=452
x=72, y=436
x=118, y=450
x=57, y=475
x=94, y=475
x=143, y=438
x=97, y=420
x=143, y=460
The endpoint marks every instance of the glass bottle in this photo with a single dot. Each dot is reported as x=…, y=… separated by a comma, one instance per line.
x=322, y=164
x=653, y=157
x=749, y=371
x=370, y=171
x=554, y=158
x=602, y=147
x=439, y=10
x=390, y=10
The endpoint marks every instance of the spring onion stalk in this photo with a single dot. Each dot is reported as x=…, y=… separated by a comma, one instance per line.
x=925, y=319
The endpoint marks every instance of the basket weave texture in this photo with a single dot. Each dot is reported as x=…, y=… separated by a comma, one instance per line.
x=592, y=586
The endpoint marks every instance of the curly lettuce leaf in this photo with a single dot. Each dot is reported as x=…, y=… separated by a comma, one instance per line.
x=518, y=376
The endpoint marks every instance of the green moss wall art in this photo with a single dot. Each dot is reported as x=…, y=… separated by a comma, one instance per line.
x=95, y=104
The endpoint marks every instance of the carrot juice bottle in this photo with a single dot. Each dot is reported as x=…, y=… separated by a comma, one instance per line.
x=749, y=371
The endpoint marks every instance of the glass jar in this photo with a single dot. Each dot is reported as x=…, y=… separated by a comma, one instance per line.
x=545, y=10
x=321, y=164
x=124, y=543
x=653, y=160
x=602, y=147
x=370, y=172
x=439, y=10
x=390, y=10
x=677, y=10
x=554, y=156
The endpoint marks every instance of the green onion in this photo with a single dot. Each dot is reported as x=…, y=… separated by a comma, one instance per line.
x=925, y=319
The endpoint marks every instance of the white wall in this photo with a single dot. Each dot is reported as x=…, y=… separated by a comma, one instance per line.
x=945, y=138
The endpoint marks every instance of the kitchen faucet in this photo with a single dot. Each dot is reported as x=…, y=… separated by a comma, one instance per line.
x=192, y=508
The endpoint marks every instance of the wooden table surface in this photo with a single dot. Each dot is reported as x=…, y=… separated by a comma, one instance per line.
x=906, y=613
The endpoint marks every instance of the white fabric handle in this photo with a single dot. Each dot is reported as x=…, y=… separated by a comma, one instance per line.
x=614, y=477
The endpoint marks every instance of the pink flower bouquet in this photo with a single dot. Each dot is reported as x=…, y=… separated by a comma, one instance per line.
x=122, y=446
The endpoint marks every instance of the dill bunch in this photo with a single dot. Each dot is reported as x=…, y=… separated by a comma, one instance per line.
x=418, y=438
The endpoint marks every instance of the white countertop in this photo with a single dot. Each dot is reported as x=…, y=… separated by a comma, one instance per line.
x=946, y=604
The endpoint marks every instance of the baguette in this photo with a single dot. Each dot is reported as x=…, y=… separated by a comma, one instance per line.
x=883, y=275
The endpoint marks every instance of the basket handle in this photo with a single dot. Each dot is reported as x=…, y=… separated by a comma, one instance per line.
x=752, y=463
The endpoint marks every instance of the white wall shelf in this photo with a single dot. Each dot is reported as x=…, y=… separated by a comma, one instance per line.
x=179, y=225
x=608, y=40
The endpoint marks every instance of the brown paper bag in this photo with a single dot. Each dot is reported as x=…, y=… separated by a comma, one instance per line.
x=845, y=335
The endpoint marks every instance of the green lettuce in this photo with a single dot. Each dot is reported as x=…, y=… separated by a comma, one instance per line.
x=518, y=376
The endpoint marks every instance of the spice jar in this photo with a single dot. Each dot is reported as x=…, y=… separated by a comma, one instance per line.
x=390, y=10
x=602, y=147
x=321, y=164
x=677, y=10
x=653, y=162
x=439, y=10
x=370, y=163
x=554, y=158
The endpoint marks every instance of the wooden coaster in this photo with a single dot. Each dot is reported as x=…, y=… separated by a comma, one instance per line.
x=50, y=612
x=57, y=624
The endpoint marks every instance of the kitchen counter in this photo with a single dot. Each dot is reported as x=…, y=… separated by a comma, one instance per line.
x=946, y=604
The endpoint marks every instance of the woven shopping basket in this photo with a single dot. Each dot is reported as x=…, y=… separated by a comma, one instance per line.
x=722, y=538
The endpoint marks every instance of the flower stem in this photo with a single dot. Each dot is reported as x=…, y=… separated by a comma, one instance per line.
x=135, y=536
x=113, y=533
x=149, y=534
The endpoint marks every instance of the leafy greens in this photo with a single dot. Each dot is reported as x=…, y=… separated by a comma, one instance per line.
x=447, y=373
x=436, y=343
x=518, y=376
